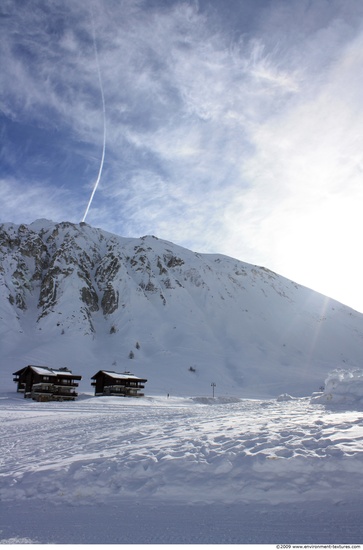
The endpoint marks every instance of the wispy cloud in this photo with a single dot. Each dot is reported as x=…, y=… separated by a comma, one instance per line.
x=28, y=201
x=234, y=132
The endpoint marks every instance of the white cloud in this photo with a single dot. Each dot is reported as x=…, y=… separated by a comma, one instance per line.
x=301, y=214
x=24, y=202
x=245, y=145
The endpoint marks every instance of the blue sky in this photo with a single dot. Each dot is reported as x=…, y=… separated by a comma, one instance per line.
x=232, y=127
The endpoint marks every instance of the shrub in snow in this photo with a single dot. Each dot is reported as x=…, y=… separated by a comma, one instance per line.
x=342, y=387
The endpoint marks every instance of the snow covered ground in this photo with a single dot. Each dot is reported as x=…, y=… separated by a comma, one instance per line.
x=181, y=470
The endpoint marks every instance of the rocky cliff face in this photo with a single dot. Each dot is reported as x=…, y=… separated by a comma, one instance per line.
x=63, y=282
x=57, y=263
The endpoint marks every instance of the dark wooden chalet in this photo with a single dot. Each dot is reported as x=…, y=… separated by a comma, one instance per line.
x=46, y=384
x=113, y=383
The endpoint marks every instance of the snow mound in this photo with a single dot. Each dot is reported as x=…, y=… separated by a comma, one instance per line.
x=343, y=388
x=285, y=397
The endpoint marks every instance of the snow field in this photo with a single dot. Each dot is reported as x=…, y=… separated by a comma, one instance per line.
x=179, y=450
x=179, y=470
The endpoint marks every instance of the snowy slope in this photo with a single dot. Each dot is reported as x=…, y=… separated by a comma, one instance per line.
x=72, y=295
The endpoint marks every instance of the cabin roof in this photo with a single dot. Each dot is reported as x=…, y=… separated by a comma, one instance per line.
x=118, y=376
x=43, y=370
x=47, y=371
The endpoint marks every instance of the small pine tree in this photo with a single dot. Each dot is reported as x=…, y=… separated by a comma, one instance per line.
x=137, y=345
x=131, y=355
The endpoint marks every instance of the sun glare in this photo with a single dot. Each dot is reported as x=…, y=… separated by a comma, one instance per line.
x=323, y=249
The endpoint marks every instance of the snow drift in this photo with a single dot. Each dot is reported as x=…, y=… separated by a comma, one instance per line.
x=343, y=388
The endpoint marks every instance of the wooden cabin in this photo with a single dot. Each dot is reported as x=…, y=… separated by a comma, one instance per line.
x=46, y=384
x=113, y=383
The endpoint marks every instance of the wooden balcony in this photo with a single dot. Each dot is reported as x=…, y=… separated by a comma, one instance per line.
x=125, y=391
x=65, y=384
x=53, y=391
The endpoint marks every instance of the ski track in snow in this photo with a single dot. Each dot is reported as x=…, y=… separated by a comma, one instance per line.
x=179, y=451
x=241, y=451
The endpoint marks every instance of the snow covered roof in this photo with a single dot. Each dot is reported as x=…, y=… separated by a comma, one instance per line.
x=47, y=371
x=118, y=376
x=38, y=369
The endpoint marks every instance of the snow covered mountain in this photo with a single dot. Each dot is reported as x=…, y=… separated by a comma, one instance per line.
x=76, y=296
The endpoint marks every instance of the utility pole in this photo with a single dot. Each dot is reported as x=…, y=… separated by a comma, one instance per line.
x=213, y=386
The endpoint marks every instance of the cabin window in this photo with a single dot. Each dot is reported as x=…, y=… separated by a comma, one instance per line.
x=45, y=378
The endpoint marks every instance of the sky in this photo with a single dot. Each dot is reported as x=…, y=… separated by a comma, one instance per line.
x=232, y=127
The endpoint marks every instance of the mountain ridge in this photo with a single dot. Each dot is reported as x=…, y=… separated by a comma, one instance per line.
x=73, y=295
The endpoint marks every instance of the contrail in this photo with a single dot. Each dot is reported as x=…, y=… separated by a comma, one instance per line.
x=104, y=122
